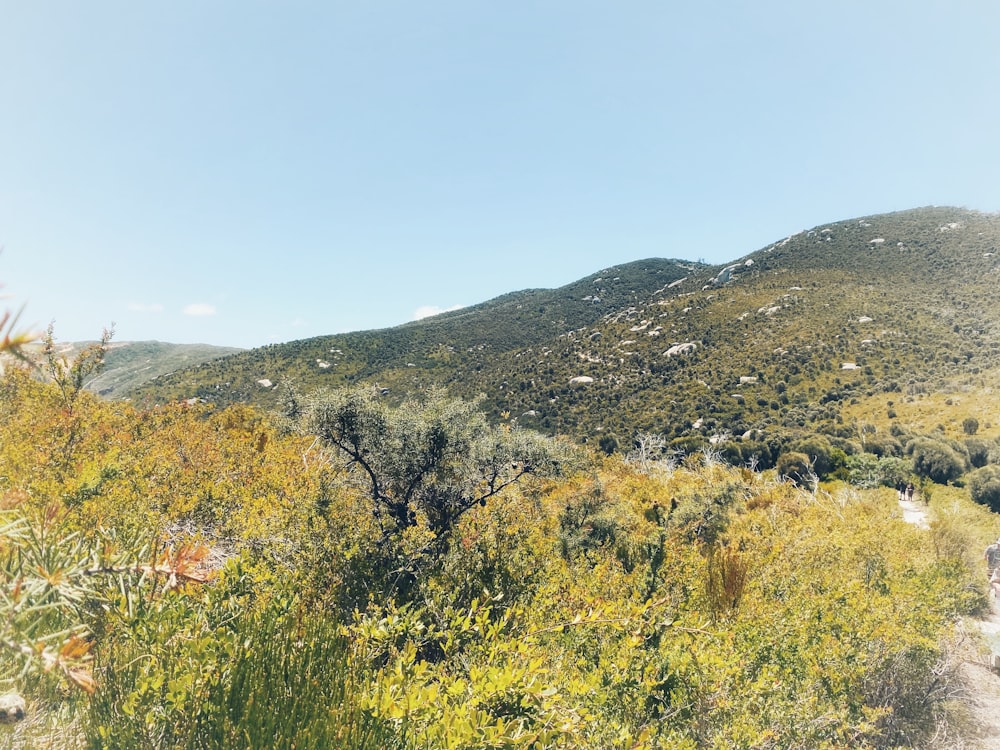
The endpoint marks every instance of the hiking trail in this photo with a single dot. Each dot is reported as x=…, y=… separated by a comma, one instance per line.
x=980, y=684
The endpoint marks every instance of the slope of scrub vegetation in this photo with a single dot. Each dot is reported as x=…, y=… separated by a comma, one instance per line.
x=355, y=574
x=437, y=348
x=131, y=363
x=751, y=357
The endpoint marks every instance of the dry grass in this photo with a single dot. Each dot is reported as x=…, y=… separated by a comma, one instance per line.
x=923, y=413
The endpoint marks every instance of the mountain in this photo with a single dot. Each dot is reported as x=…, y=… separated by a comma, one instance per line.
x=858, y=313
x=130, y=363
x=439, y=349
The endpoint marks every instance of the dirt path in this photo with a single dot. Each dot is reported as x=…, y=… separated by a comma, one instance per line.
x=977, y=725
x=915, y=512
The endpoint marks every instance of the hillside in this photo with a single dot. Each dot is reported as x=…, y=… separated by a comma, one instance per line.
x=883, y=307
x=130, y=363
x=898, y=304
x=437, y=349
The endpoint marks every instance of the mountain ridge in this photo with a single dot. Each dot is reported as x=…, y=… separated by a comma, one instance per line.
x=782, y=337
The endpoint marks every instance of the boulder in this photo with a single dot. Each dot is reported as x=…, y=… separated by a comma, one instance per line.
x=12, y=708
x=678, y=349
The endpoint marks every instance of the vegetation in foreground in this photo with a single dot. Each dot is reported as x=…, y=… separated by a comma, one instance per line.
x=350, y=573
x=355, y=575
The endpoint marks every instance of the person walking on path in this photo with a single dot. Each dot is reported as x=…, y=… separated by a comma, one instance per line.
x=992, y=558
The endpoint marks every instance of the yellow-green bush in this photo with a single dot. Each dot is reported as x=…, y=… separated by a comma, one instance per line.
x=669, y=605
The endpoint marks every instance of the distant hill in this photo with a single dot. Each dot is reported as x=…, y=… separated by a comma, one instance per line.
x=130, y=363
x=870, y=309
x=437, y=349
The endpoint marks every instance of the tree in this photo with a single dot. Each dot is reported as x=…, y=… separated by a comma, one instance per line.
x=431, y=460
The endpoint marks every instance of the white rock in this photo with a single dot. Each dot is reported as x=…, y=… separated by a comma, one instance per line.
x=678, y=349
x=12, y=708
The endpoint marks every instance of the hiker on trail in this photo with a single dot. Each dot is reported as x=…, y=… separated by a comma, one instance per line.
x=901, y=489
x=909, y=492
x=992, y=557
x=995, y=584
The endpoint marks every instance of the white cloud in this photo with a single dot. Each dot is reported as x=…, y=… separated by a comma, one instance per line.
x=140, y=307
x=199, y=309
x=425, y=311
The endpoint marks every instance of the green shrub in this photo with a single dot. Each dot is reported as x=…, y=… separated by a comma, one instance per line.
x=275, y=677
x=796, y=466
x=894, y=471
x=424, y=466
x=823, y=456
x=688, y=445
x=984, y=486
x=862, y=470
x=936, y=460
x=883, y=445
x=703, y=516
x=979, y=452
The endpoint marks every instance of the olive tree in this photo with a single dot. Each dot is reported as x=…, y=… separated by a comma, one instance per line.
x=429, y=461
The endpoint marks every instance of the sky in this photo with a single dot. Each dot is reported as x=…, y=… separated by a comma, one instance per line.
x=246, y=172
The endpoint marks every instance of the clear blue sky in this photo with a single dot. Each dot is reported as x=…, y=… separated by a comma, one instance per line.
x=253, y=171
